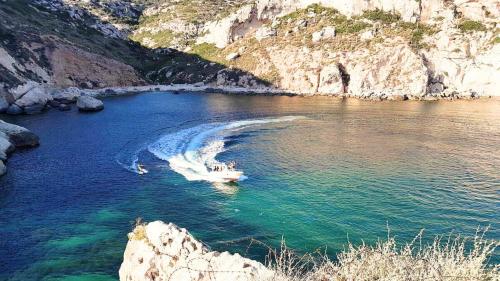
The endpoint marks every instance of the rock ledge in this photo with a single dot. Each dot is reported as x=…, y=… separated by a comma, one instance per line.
x=160, y=251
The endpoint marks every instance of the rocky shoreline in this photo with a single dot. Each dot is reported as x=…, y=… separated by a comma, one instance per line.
x=13, y=137
x=161, y=251
x=33, y=98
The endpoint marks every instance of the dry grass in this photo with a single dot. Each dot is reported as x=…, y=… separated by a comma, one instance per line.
x=139, y=232
x=448, y=259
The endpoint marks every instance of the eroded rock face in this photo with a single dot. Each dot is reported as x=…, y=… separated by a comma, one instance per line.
x=160, y=251
x=389, y=70
x=87, y=103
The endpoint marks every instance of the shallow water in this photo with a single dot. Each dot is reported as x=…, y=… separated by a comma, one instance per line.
x=341, y=172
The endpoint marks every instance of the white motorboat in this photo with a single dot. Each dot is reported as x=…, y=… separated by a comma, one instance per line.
x=227, y=173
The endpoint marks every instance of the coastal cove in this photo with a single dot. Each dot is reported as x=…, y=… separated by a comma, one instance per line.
x=326, y=171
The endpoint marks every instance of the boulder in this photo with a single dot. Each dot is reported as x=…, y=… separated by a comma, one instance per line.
x=21, y=90
x=265, y=32
x=87, y=103
x=68, y=95
x=324, y=34
x=160, y=251
x=64, y=107
x=5, y=146
x=14, y=109
x=4, y=105
x=3, y=169
x=367, y=35
x=19, y=136
x=232, y=56
x=34, y=100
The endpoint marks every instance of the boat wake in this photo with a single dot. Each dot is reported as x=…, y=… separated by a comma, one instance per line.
x=191, y=152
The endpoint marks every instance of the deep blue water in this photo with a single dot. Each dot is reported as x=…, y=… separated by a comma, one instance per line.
x=341, y=171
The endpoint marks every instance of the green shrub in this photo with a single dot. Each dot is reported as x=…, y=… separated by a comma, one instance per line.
x=471, y=26
x=205, y=51
x=382, y=16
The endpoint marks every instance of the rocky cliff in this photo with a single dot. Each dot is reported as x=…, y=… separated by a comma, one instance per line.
x=375, y=49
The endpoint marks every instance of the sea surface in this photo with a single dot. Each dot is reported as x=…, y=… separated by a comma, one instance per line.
x=318, y=172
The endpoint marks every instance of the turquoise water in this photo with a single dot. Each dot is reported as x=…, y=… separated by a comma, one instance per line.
x=325, y=173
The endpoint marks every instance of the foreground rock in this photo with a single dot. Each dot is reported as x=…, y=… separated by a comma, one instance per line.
x=90, y=104
x=160, y=251
x=19, y=136
x=11, y=137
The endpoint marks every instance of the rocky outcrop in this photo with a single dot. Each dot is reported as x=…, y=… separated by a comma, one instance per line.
x=389, y=71
x=160, y=251
x=18, y=136
x=89, y=104
x=11, y=137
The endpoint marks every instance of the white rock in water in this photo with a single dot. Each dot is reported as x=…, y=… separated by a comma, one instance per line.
x=325, y=33
x=232, y=56
x=87, y=103
x=68, y=95
x=3, y=169
x=160, y=251
x=5, y=146
x=36, y=96
x=4, y=105
x=18, y=136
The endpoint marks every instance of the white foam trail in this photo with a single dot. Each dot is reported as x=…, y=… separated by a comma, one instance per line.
x=192, y=151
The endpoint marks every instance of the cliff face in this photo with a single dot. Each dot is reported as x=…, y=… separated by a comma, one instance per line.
x=159, y=251
x=376, y=49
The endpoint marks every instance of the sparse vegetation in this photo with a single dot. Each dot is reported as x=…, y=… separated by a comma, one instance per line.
x=381, y=16
x=445, y=259
x=206, y=51
x=471, y=26
x=139, y=232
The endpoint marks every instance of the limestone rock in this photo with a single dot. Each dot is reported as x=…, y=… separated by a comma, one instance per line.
x=21, y=90
x=390, y=70
x=330, y=80
x=34, y=100
x=14, y=109
x=4, y=105
x=5, y=146
x=232, y=56
x=68, y=95
x=64, y=107
x=160, y=251
x=367, y=35
x=87, y=103
x=19, y=136
x=225, y=31
x=325, y=33
x=265, y=32
x=3, y=169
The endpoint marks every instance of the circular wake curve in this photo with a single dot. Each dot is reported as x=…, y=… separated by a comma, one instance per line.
x=191, y=152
